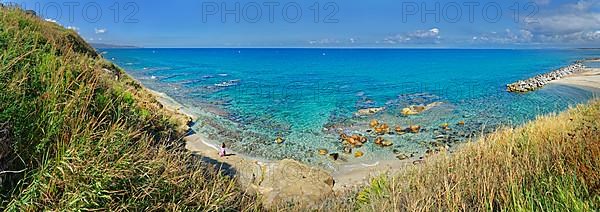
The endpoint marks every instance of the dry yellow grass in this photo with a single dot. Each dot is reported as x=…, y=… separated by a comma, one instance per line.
x=88, y=142
x=551, y=163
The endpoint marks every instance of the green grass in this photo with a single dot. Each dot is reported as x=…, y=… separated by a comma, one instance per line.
x=554, y=193
x=79, y=135
x=86, y=141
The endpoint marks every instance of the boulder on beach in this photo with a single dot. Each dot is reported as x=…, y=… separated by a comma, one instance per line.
x=402, y=156
x=289, y=180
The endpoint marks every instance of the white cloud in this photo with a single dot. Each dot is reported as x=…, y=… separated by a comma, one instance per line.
x=324, y=41
x=93, y=39
x=51, y=20
x=420, y=36
x=333, y=41
x=507, y=37
x=435, y=31
x=73, y=28
x=564, y=23
x=577, y=37
x=577, y=22
x=100, y=31
x=583, y=5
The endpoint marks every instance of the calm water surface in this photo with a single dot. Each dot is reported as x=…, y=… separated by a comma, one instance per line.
x=250, y=97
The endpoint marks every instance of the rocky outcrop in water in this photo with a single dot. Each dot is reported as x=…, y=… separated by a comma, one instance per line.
x=369, y=111
x=539, y=81
x=417, y=109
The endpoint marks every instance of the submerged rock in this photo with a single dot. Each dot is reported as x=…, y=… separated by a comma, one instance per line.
x=379, y=140
x=386, y=143
x=323, y=152
x=374, y=123
x=445, y=126
x=415, y=128
x=408, y=112
x=417, y=109
x=279, y=140
x=369, y=111
x=399, y=130
x=382, y=129
x=383, y=142
x=334, y=156
x=354, y=140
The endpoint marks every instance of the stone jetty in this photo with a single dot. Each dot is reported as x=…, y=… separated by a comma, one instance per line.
x=539, y=81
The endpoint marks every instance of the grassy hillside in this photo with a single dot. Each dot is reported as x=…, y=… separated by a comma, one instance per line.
x=77, y=133
x=550, y=164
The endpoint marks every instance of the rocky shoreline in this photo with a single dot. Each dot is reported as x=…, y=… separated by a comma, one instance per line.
x=531, y=84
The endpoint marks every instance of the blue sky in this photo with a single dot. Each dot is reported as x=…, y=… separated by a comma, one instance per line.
x=347, y=23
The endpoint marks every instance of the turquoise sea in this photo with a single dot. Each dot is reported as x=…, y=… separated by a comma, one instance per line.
x=248, y=98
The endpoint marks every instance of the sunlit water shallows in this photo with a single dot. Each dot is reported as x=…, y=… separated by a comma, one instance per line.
x=248, y=98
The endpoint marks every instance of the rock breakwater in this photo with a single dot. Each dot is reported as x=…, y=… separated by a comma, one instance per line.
x=539, y=81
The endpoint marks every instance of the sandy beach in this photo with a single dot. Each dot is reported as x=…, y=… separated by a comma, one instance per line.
x=252, y=171
x=200, y=145
x=589, y=79
x=170, y=104
x=248, y=169
x=347, y=175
